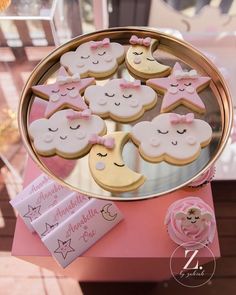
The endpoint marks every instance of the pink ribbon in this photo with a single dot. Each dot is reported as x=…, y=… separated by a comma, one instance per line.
x=134, y=40
x=96, y=44
x=127, y=84
x=176, y=118
x=73, y=115
x=108, y=142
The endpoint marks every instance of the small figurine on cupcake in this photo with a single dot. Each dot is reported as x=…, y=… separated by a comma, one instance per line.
x=191, y=223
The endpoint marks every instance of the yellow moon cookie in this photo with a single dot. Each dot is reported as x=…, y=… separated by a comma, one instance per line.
x=108, y=168
x=140, y=61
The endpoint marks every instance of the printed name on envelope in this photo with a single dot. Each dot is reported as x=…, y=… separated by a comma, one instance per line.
x=35, y=186
x=47, y=222
x=38, y=203
x=81, y=230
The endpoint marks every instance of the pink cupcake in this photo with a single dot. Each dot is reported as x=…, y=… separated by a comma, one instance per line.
x=204, y=178
x=192, y=221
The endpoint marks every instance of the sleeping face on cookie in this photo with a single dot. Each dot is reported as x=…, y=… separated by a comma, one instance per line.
x=193, y=217
x=94, y=58
x=66, y=137
x=120, y=99
x=174, y=138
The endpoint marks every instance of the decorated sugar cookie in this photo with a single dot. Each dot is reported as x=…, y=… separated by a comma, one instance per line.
x=66, y=133
x=97, y=59
x=191, y=223
x=64, y=93
x=140, y=61
x=107, y=166
x=176, y=139
x=121, y=100
x=181, y=87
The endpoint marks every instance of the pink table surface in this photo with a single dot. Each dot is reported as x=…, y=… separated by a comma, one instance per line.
x=139, y=248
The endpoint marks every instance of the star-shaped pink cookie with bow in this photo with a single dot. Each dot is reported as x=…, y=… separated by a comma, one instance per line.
x=64, y=247
x=64, y=93
x=181, y=87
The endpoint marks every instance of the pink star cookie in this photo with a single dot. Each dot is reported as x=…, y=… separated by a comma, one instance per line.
x=181, y=87
x=64, y=93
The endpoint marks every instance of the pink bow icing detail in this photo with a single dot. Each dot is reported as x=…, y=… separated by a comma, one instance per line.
x=134, y=40
x=96, y=44
x=108, y=142
x=176, y=118
x=73, y=115
x=127, y=84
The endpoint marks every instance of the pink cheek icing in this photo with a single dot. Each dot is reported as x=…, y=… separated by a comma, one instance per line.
x=100, y=166
x=173, y=90
x=194, y=234
x=48, y=137
x=137, y=60
x=108, y=58
x=102, y=101
x=191, y=140
x=155, y=142
x=54, y=97
x=74, y=93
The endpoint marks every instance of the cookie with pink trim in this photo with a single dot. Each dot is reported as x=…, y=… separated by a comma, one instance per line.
x=66, y=133
x=191, y=223
x=97, y=59
x=181, y=88
x=176, y=139
x=121, y=100
x=140, y=60
x=64, y=93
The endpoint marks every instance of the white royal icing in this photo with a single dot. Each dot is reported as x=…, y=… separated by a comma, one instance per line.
x=120, y=102
x=62, y=136
x=88, y=61
x=180, y=141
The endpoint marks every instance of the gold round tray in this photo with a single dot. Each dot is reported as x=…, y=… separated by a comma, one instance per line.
x=162, y=178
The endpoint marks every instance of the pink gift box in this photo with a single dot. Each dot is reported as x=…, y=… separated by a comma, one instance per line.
x=137, y=249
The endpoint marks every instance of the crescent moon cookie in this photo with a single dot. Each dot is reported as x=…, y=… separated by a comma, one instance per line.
x=140, y=61
x=121, y=100
x=66, y=133
x=107, y=166
x=97, y=59
x=176, y=139
x=64, y=93
x=181, y=87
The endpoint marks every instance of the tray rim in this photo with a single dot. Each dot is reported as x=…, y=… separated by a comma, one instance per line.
x=51, y=60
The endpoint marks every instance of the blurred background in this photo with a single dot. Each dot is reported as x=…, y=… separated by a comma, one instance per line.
x=31, y=29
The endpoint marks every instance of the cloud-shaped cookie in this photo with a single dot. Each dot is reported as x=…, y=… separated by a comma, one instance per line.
x=121, y=100
x=95, y=58
x=65, y=136
x=174, y=138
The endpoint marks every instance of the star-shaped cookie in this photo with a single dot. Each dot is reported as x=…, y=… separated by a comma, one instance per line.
x=181, y=87
x=49, y=228
x=64, y=248
x=33, y=213
x=64, y=93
